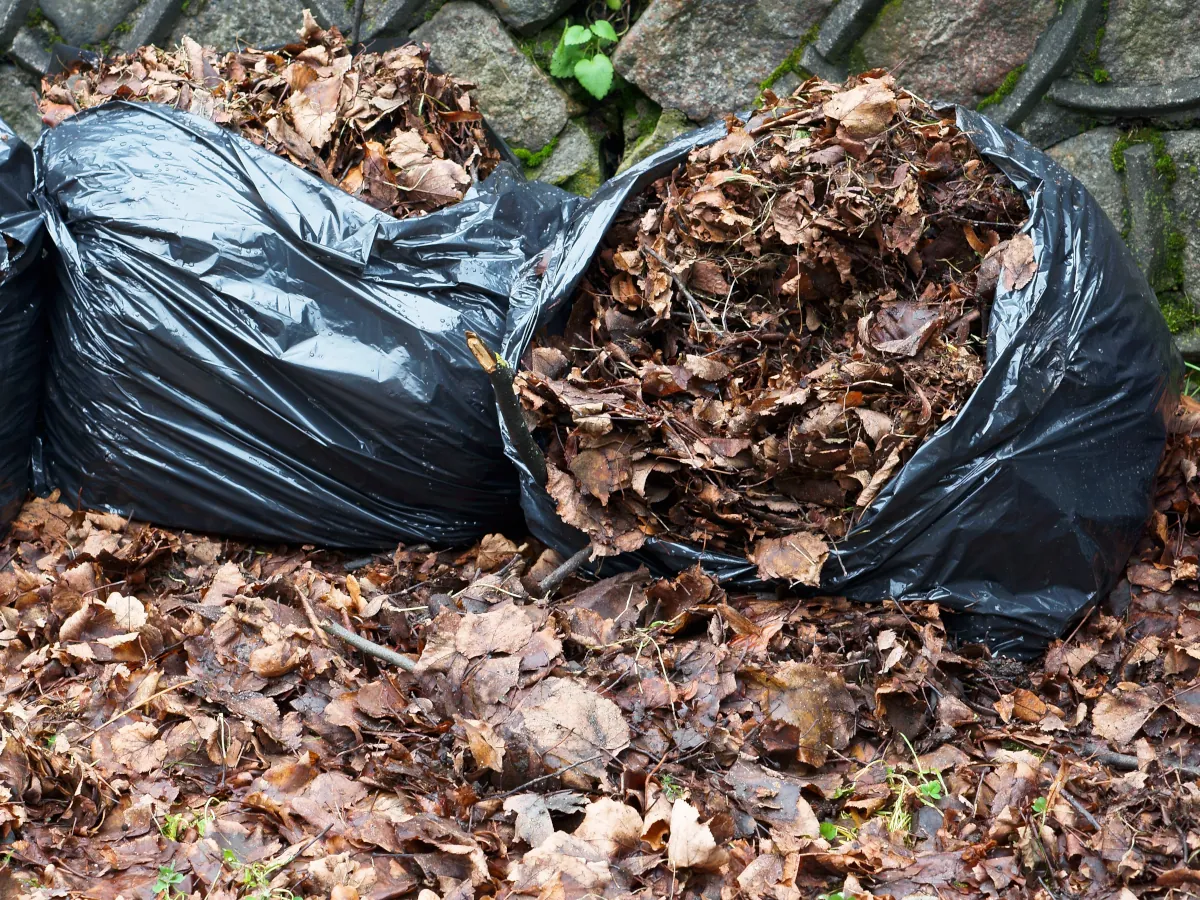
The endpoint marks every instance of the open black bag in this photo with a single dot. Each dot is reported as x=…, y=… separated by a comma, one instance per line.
x=239, y=347
x=1021, y=511
x=22, y=344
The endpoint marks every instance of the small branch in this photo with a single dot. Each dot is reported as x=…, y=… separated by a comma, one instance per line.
x=696, y=305
x=551, y=582
x=311, y=615
x=369, y=647
x=548, y=776
x=1127, y=763
x=501, y=377
x=155, y=696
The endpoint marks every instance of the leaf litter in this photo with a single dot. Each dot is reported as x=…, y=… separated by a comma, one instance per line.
x=176, y=723
x=173, y=719
x=771, y=330
x=380, y=126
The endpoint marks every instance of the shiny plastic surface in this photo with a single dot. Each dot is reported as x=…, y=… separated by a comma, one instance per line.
x=239, y=347
x=1019, y=513
x=22, y=344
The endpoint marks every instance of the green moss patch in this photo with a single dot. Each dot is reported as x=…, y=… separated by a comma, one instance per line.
x=1007, y=86
x=792, y=63
x=532, y=159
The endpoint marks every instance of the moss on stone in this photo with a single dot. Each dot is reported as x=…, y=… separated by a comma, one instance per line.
x=1089, y=59
x=582, y=183
x=1163, y=164
x=1007, y=86
x=1180, y=313
x=792, y=63
x=531, y=159
x=1167, y=278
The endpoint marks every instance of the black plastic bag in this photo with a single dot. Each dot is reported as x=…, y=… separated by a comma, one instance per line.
x=22, y=343
x=239, y=347
x=1019, y=513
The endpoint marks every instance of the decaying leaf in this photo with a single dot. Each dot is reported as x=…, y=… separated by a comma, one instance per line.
x=380, y=125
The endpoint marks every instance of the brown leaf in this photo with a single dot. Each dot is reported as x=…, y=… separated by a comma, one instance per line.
x=565, y=724
x=796, y=558
x=1118, y=717
x=1018, y=262
x=864, y=111
x=692, y=845
x=810, y=710
x=486, y=746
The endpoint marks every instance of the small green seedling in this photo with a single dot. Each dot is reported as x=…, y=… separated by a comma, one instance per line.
x=1039, y=806
x=831, y=831
x=579, y=55
x=671, y=788
x=167, y=879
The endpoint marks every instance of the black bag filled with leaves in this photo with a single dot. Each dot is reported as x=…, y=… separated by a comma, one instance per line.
x=22, y=346
x=1016, y=507
x=243, y=348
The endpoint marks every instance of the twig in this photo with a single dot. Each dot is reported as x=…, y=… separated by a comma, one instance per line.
x=153, y=696
x=1079, y=808
x=501, y=377
x=548, y=776
x=1127, y=763
x=695, y=304
x=369, y=647
x=311, y=615
x=551, y=582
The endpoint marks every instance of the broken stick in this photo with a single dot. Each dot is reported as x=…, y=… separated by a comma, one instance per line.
x=501, y=377
x=369, y=647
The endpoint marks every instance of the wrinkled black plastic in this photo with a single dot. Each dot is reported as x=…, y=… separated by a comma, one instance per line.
x=239, y=347
x=22, y=345
x=1020, y=512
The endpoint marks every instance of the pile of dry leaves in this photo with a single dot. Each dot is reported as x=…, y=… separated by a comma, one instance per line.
x=176, y=723
x=380, y=126
x=769, y=331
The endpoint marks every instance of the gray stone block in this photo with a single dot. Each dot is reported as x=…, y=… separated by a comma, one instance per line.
x=231, y=24
x=517, y=98
x=1184, y=148
x=13, y=14
x=153, y=24
x=671, y=124
x=1089, y=158
x=86, y=22
x=379, y=16
x=957, y=51
x=575, y=162
x=18, y=102
x=709, y=58
x=1053, y=54
x=29, y=50
x=844, y=26
x=527, y=16
x=1147, y=202
x=1151, y=41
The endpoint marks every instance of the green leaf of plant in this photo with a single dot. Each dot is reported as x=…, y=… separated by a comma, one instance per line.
x=614, y=5
x=576, y=36
x=595, y=74
x=604, y=30
x=562, y=63
x=828, y=831
x=1039, y=805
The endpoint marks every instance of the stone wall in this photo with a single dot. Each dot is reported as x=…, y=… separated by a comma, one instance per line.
x=1110, y=87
